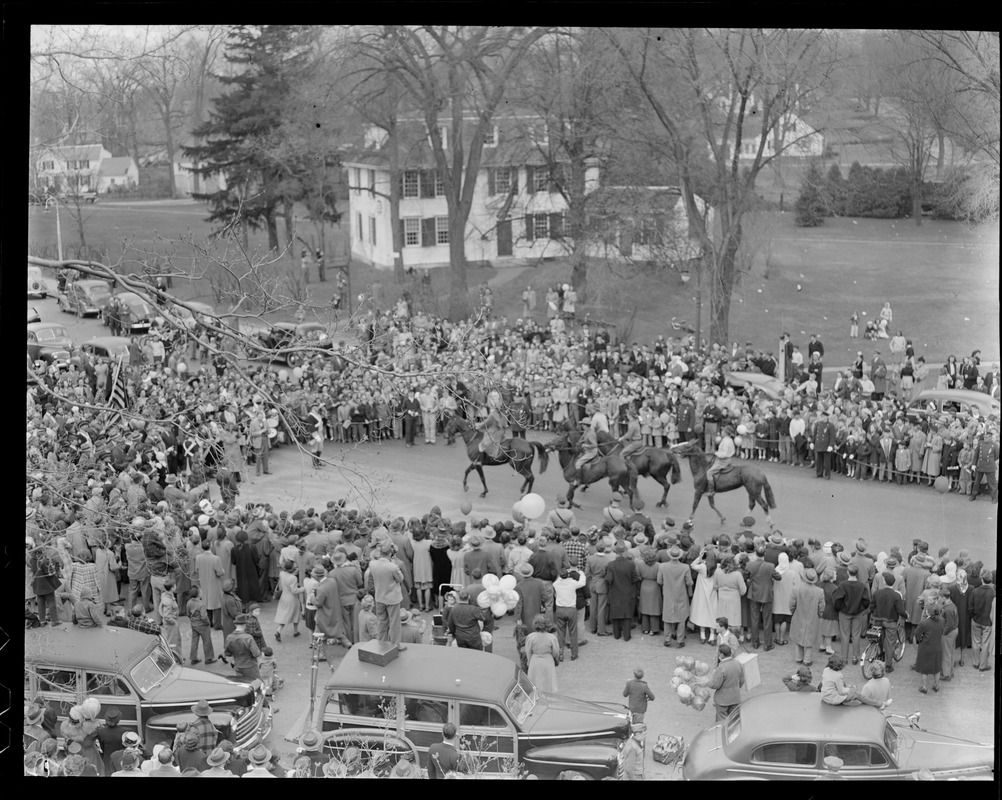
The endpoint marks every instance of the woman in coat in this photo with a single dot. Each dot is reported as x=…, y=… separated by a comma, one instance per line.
x=730, y=586
x=808, y=607
x=917, y=447
x=929, y=638
x=650, y=592
x=288, y=609
x=542, y=652
x=107, y=574
x=704, y=596
x=933, y=454
x=829, y=618
x=958, y=594
x=245, y=570
x=621, y=577
x=441, y=566
x=782, y=596
x=915, y=577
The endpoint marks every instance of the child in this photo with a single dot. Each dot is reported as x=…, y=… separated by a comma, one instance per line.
x=854, y=325
x=879, y=686
x=850, y=457
x=267, y=668
x=639, y=693
x=761, y=438
x=800, y=681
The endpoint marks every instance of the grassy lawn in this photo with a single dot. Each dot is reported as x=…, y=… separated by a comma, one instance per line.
x=942, y=279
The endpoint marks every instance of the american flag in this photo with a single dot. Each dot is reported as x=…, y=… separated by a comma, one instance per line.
x=119, y=395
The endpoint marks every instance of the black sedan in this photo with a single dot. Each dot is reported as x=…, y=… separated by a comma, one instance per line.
x=49, y=342
x=284, y=336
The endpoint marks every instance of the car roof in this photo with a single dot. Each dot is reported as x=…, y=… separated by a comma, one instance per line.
x=72, y=647
x=41, y=326
x=457, y=672
x=803, y=716
x=110, y=342
x=87, y=283
x=957, y=396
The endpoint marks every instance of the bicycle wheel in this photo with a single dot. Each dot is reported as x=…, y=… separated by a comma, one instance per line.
x=899, y=648
x=871, y=654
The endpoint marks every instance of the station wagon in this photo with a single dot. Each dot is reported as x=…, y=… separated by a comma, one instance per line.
x=84, y=297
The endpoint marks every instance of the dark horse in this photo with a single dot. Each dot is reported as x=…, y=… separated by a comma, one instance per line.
x=517, y=452
x=622, y=476
x=752, y=478
x=651, y=462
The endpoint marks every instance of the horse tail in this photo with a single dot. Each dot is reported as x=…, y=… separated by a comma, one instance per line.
x=544, y=457
x=769, y=498
x=676, y=467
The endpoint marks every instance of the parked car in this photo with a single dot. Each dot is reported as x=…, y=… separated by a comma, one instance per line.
x=773, y=388
x=503, y=719
x=137, y=674
x=129, y=312
x=84, y=297
x=49, y=342
x=37, y=287
x=787, y=737
x=937, y=402
x=284, y=335
x=110, y=347
x=33, y=315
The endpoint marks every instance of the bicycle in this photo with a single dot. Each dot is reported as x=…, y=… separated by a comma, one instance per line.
x=875, y=649
x=912, y=719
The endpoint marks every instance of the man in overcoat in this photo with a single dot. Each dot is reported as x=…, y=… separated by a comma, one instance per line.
x=675, y=580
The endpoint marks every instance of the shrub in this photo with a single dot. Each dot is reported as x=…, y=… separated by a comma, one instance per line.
x=878, y=193
x=836, y=192
x=810, y=209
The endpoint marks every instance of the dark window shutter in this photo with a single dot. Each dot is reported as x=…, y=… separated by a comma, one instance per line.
x=530, y=184
x=530, y=233
x=403, y=235
x=491, y=190
x=428, y=232
x=401, y=179
x=427, y=183
x=556, y=226
x=513, y=172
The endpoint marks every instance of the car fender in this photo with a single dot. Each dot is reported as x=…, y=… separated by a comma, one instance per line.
x=222, y=720
x=597, y=759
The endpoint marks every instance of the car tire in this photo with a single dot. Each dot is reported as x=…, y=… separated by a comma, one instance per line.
x=572, y=775
x=292, y=360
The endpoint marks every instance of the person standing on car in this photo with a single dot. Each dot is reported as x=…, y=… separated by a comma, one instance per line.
x=386, y=579
x=464, y=620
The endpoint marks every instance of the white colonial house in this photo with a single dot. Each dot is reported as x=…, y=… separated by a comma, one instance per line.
x=792, y=136
x=117, y=172
x=73, y=167
x=517, y=212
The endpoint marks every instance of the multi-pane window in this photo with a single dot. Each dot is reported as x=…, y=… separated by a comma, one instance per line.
x=648, y=233
x=441, y=230
x=439, y=184
x=372, y=230
x=502, y=180
x=541, y=179
x=356, y=178
x=48, y=165
x=540, y=226
x=411, y=183
x=412, y=232
x=85, y=164
x=491, y=136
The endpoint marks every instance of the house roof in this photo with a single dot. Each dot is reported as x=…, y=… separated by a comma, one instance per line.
x=116, y=167
x=75, y=152
x=620, y=200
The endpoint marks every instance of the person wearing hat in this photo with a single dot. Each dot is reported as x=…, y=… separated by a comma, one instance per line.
x=761, y=575
x=387, y=580
x=535, y=596
x=832, y=766
x=347, y=574
x=410, y=633
x=464, y=620
x=774, y=546
x=129, y=764
x=800, y=681
x=260, y=759
x=405, y=766
x=878, y=376
x=109, y=737
x=311, y=748
x=914, y=577
x=851, y=600
x=203, y=727
x=823, y=446
x=807, y=606
x=722, y=459
x=34, y=733
x=189, y=755
x=329, y=616
x=561, y=517
x=612, y=513
x=675, y=579
x=986, y=458
x=242, y=649
x=726, y=679
x=216, y=765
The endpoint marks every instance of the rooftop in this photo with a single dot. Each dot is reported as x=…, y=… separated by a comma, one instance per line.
x=802, y=716
x=116, y=167
x=86, y=648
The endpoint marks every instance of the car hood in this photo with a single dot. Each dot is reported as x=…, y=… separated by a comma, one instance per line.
x=55, y=344
x=192, y=685
x=558, y=715
x=937, y=752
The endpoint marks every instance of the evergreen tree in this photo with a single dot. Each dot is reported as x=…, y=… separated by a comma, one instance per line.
x=810, y=208
x=241, y=137
x=836, y=192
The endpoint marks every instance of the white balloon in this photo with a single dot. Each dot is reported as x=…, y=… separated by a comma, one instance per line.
x=507, y=582
x=490, y=581
x=499, y=608
x=283, y=375
x=483, y=600
x=494, y=593
x=297, y=373
x=533, y=506
x=737, y=441
x=510, y=597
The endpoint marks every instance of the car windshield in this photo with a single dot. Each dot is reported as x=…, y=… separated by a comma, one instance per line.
x=153, y=670
x=521, y=699
x=48, y=334
x=732, y=726
x=891, y=740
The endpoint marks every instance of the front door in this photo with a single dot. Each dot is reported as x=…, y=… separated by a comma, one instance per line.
x=487, y=739
x=504, y=238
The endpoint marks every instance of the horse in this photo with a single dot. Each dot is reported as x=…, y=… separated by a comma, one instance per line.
x=651, y=462
x=515, y=451
x=752, y=478
x=622, y=476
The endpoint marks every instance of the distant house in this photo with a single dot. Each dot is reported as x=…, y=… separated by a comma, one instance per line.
x=517, y=210
x=70, y=167
x=117, y=172
x=186, y=182
x=792, y=136
x=641, y=223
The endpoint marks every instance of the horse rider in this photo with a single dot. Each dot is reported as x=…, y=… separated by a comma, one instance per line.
x=633, y=442
x=722, y=460
x=589, y=447
x=493, y=426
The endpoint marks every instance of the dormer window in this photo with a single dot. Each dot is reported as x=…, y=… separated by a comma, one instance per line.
x=491, y=136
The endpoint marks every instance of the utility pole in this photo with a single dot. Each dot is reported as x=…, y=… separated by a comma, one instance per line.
x=59, y=230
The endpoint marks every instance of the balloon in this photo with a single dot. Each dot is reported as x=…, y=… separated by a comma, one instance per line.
x=181, y=368
x=702, y=668
x=297, y=373
x=742, y=430
x=698, y=703
x=510, y=598
x=942, y=484
x=494, y=593
x=689, y=662
x=679, y=672
x=686, y=675
x=483, y=600
x=499, y=608
x=684, y=691
x=507, y=582
x=516, y=513
x=466, y=507
x=679, y=660
x=486, y=638
x=702, y=692
x=675, y=683
x=737, y=441
x=533, y=506
x=490, y=581
x=283, y=375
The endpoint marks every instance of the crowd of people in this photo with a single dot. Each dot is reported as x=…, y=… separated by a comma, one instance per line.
x=121, y=528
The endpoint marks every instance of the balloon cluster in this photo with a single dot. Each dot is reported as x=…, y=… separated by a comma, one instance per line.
x=532, y=506
x=499, y=594
x=690, y=693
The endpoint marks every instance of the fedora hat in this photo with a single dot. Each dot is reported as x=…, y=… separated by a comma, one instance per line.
x=616, y=497
x=748, y=522
x=202, y=708
x=217, y=757
x=34, y=715
x=318, y=573
x=339, y=557
x=775, y=538
x=844, y=559
x=310, y=742
x=489, y=532
x=242, y=619
x=524, y=569
x=405, y=616
x=674, y=553
x=561, y=502
x=259, y=756
x=811, y=576
x=640, y=539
